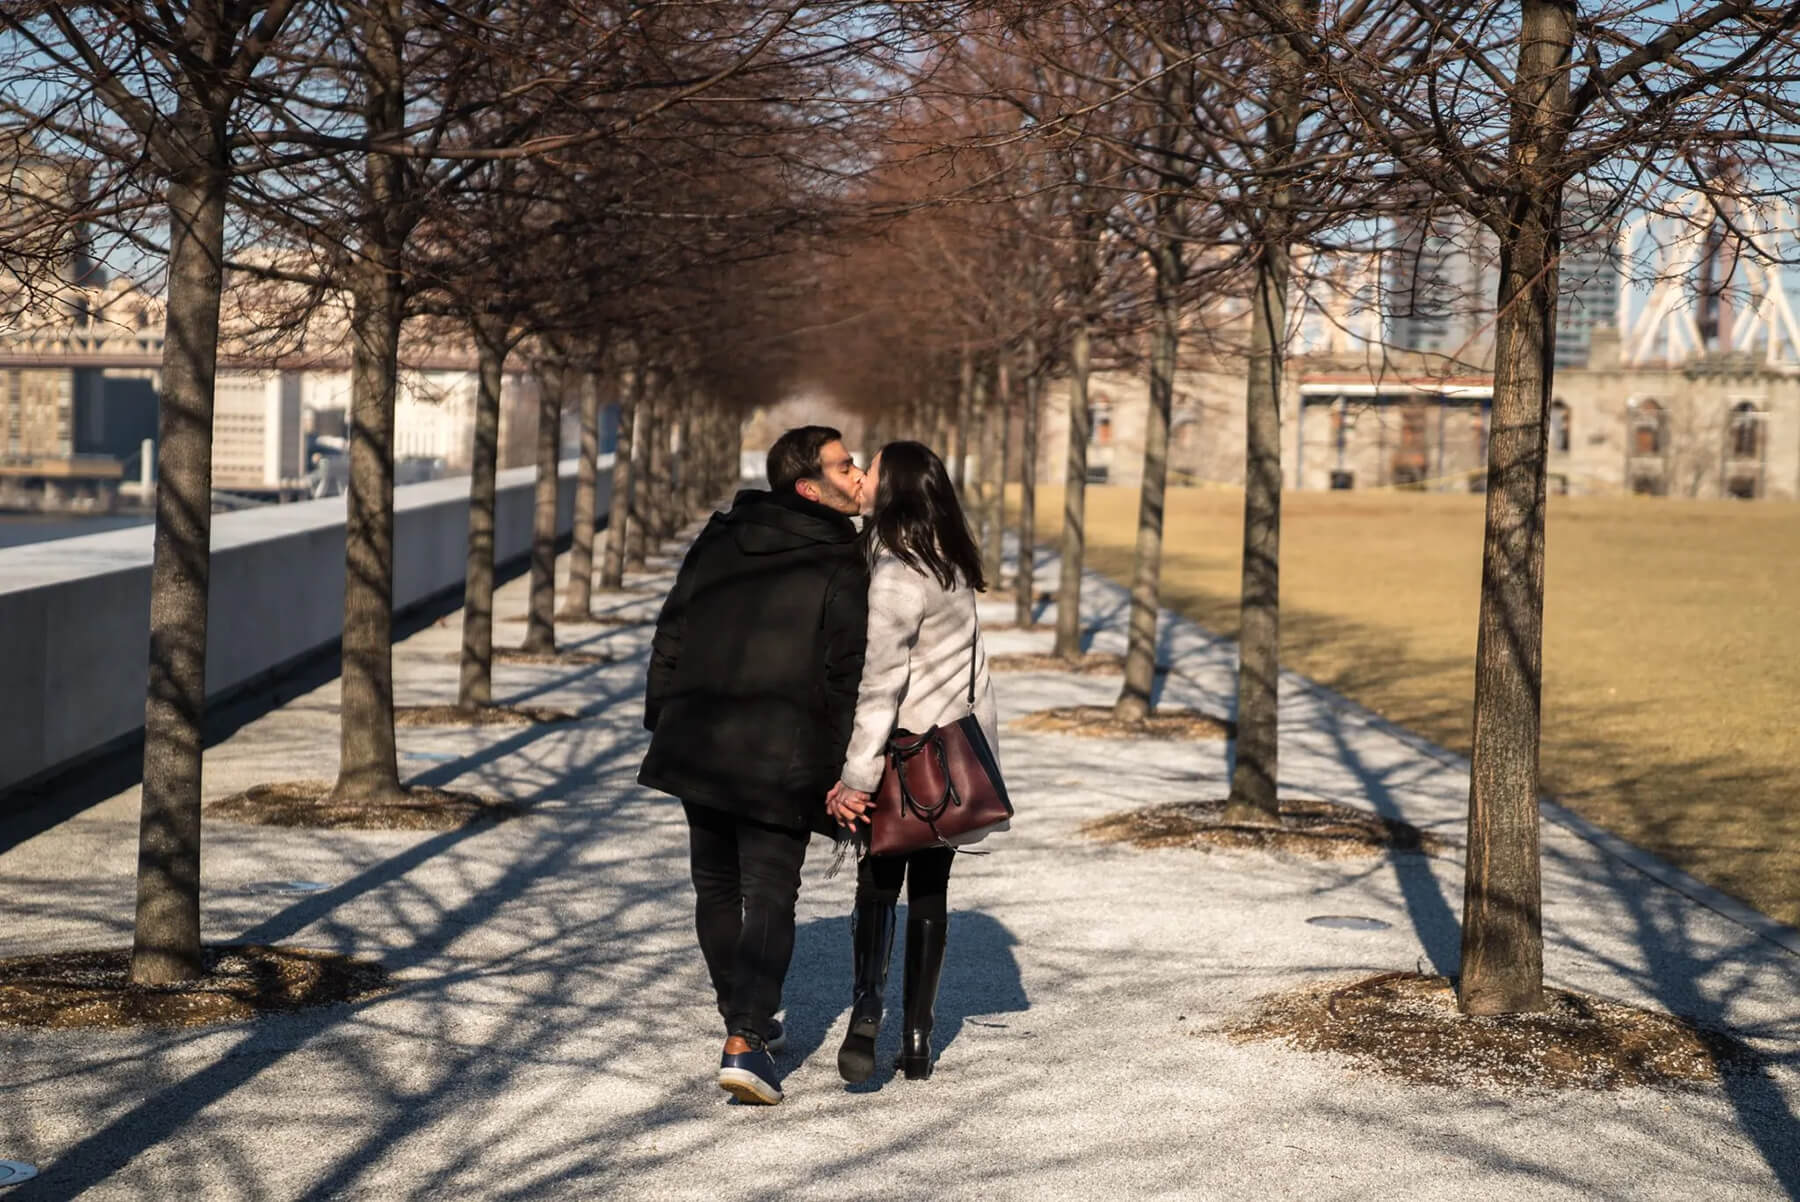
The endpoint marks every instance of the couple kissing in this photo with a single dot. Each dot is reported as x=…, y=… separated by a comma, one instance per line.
x=790, y=650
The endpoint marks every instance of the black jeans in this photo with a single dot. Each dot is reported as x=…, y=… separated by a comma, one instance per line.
x=926, y=874
x=746, y=881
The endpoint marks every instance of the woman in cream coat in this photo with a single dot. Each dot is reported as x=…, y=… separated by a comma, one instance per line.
x=924, y=574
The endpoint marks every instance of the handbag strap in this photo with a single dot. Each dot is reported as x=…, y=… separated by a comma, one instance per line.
x=974, y=647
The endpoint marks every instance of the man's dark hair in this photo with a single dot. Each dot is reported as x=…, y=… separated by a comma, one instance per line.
x=795, y=456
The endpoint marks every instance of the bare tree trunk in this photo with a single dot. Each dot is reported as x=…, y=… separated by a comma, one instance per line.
x=660, y=478
x=1025, y=588
x=1503, y=937
x=1254, y=766
x=943, y=430
x=477, y=683
x=965, y=422
x=623, y=505
x=1140, y=656
x=643, y=484
x=368, y=761
x=578, y=598
x=166, y=942
x=687, y=492
x=992, y=471
x=1003, y=383
x=1255, y=763
x=1074, y=539
x=540, y=618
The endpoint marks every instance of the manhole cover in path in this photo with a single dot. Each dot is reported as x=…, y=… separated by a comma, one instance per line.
x=286, y=888
x=1349, y=922
x=14, y=1171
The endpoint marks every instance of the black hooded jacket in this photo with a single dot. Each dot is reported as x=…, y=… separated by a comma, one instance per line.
x=757, y=661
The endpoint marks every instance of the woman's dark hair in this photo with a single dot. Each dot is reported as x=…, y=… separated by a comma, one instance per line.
x=918, y=517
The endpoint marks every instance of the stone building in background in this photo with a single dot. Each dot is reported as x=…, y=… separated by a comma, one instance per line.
x=1714, y=426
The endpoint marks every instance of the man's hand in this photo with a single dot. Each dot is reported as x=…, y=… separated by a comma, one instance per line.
x=847, y=805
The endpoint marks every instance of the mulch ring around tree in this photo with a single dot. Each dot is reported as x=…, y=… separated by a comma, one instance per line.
x=411, y=716
x=1406, y=1025
x=1094, y=663
x=1097, y=722
x=1316, y=830
x=93, y=989
x=306, y=803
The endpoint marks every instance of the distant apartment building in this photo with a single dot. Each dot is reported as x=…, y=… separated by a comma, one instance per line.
x=37, y=414
x=1589, y=276
x=1441, y=279
x=256, y=431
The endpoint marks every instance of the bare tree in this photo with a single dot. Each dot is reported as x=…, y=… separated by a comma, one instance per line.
x=178, y=87
x=1621, y=95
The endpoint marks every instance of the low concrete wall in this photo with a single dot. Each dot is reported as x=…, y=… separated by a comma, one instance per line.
x=75, y=613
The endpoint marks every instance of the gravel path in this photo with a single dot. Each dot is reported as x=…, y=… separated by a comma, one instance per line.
x=552, y=1033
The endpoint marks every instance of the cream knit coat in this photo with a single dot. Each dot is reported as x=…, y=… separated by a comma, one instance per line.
x=916, y=669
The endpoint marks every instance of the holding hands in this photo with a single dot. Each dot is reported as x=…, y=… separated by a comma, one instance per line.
x=849, y=806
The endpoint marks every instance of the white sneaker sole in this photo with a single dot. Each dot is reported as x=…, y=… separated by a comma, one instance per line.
x=746, y=1086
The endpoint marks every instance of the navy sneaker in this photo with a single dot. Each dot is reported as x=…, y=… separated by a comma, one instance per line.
x=776, y=1039
x=747, y=1073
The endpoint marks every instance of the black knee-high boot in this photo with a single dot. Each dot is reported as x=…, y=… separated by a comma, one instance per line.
x=924, y=965
x=872, y=940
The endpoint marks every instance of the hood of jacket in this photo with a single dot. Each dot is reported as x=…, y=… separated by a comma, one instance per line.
x=767, y=523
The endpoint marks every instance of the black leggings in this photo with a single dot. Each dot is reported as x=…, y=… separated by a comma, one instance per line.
x=927, y=877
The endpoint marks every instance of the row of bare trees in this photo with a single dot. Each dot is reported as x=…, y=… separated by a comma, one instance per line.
x=647, y=203
x=1148, y=184
x=601, y=189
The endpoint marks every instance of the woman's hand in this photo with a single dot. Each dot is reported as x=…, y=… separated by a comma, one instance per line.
x=847, y=805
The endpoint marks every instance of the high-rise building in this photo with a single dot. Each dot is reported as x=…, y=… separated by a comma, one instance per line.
x=1441, y=280
x=1588, y=277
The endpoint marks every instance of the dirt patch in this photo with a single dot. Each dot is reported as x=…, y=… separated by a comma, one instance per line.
x=306, y=803
x=1407, y=1025
x=518, y=655
x=560, y=659
x=595, y=619
x=1097, y=722
x=480, y=715
x=93, y=989
x=1316, y=830
x=1094, y=663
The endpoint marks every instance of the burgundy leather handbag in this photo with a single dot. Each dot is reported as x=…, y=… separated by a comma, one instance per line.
x=938, y=787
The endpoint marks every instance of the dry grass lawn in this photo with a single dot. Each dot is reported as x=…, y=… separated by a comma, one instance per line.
x=1671, y=649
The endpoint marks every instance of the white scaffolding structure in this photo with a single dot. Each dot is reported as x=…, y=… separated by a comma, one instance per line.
x=1693, y=282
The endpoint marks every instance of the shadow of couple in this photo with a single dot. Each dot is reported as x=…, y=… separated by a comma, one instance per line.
x=980, y=978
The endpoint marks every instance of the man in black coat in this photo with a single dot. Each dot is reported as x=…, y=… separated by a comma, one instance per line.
x=752, y=693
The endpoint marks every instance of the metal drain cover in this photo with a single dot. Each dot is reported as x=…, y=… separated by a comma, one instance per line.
x=1349, y=922
x=14, y=1171
x=286, y=888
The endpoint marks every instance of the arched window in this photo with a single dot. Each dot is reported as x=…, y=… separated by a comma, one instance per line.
x=1745, y=432
x=1648, y=423
x=1559, y=426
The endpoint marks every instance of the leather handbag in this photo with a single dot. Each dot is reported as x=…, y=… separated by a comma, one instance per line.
x=940, y=787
